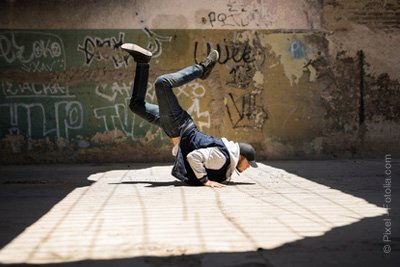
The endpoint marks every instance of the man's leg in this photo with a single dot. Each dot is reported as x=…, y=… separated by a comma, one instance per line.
x=171, y=113
x=146, y=111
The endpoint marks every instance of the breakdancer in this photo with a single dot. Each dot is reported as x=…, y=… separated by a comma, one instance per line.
x=200, y=159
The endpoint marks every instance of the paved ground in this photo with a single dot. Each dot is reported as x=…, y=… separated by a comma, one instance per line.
x=285, y=213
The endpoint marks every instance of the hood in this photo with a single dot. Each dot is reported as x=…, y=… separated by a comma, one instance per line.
x=234, y=153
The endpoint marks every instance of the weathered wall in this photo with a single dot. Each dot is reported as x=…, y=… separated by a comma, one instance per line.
x=297, y=79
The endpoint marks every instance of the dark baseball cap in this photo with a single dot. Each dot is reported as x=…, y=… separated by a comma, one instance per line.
x=248, y=151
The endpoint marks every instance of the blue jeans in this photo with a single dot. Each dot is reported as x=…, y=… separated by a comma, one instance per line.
x=168, y=114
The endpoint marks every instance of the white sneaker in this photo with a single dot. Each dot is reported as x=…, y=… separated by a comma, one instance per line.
x=139, y=54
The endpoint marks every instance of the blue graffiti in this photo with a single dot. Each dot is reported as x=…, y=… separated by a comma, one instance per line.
x=298, y=50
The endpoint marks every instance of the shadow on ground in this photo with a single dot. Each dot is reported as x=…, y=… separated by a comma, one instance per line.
x=360, y=178
x=175, y=183
x=27, y=192
x=358, y=244
x=343, y=246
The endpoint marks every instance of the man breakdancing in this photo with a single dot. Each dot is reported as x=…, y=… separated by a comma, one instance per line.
x=200, y=159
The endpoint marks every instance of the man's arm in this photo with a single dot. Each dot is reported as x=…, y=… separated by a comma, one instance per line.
x=206, y=158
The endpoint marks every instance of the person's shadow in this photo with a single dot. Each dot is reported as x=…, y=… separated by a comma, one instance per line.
x=175, y=183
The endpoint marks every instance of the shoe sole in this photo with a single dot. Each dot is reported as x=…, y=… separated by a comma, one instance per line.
x=132, y=48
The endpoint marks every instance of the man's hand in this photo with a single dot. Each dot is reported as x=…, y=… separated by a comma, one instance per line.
x=213, y=184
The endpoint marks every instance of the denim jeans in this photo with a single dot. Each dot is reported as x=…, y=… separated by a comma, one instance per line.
x=168, y=114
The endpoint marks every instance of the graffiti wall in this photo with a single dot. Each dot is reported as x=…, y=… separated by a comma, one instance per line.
x=292, y=93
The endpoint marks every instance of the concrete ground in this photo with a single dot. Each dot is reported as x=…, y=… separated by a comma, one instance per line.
x=285, y=213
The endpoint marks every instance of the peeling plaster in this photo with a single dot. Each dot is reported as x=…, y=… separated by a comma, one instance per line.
x=294, y=54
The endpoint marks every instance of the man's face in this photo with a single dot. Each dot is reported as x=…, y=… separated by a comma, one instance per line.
x=243, y=164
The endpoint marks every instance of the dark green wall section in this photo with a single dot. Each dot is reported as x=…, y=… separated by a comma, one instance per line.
x=61, y=87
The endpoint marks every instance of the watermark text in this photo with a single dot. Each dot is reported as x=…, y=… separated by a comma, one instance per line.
x=387, y=189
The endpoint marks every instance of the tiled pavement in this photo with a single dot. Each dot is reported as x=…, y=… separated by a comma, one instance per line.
x=292, y=213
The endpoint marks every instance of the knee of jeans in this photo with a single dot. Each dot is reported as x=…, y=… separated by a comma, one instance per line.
x=136, y=106
x=162, y=82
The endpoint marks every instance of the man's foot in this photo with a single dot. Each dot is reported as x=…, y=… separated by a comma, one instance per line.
x=208, y=64
x=139, y=54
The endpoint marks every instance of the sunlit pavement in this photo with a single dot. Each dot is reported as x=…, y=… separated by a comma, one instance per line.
x=285, y=213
